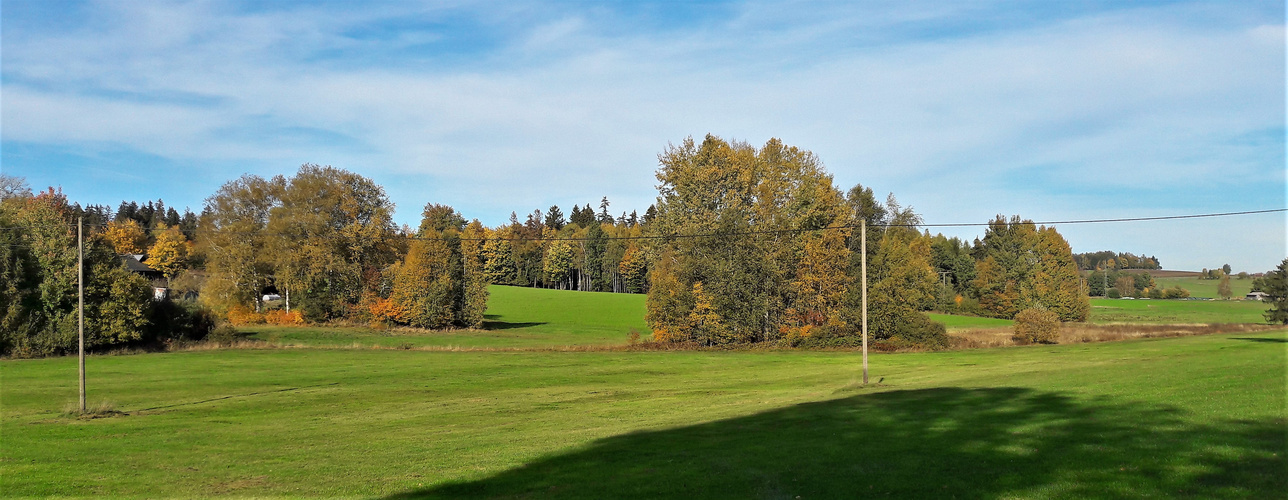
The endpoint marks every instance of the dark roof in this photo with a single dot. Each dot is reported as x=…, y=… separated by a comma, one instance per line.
x=133, y=265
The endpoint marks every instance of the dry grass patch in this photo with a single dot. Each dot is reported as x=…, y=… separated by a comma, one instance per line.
x=1078, y=333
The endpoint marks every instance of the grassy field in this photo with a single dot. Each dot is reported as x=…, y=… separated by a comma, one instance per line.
x=955, y=322
x=1176, y=311
x=1206, y=288
x=516, y=318
x=1199, y=417
x=527, y=318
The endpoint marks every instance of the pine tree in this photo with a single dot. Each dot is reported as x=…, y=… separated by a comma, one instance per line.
x=604, y=216
x=555, y=218
x=1275, y=285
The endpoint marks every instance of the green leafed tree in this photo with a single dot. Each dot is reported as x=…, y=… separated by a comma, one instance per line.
x=1022, y=266
x=1275, y=285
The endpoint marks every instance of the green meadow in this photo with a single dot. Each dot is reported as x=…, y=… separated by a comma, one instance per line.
x=1206, y=288
x=511, y=415
x=528, y=318
x=1177, y=311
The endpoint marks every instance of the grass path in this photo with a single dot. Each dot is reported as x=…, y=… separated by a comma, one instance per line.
x=1196, y=416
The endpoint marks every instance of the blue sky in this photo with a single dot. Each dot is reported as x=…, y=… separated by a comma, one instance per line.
x=1051, y=110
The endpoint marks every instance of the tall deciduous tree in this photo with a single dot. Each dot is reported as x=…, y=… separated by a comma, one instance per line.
x=232, y=237
x=126, y=237
x=170, y=252
x=331, y=232
x=1022, y=266
x=747, y=204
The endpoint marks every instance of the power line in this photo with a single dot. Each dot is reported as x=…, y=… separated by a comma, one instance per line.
x=759, y=231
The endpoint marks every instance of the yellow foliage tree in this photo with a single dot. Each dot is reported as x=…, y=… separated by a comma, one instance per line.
x=821, y=283
x=423, y=293
x=705, y=323
x=170, y=252
x=125, y=237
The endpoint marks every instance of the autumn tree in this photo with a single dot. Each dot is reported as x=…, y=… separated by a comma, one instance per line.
x=38, y=283
x=1022, y=266
x=170, y=252
x=330, y=233
x=498, y=256
x=125, y=237
x=903, y=284
x=441, y=281
x=1126, y=285
x=474, y=276
x=232, y=237
x=822, y=281
x=632, y=269
x=743, y=211
x=557, y=261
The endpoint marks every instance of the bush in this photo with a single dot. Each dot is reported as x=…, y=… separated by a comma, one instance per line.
x=1155, y=293
x=240, y=315
x=1114, y=293
x=919, y=331
x=1036, y=326
x=283, y=318
x=224, y=335
x=1176, y=292
x=181, y=320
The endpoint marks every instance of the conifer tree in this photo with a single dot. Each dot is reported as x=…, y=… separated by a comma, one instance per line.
x=1275, y=285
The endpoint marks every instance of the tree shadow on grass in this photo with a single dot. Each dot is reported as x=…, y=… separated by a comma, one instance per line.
x=503, y=325
x=938, y=443
x=1268, y=340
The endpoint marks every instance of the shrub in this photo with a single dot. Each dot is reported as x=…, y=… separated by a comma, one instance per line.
x=280, y=317
x=181, y=320
x=224, y=335
x=1114, y=293
x=240, y=315
x=919, y=331
x=1176, y=292
x=1036, y=326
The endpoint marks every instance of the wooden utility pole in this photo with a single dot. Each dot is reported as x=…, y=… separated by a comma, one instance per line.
x=80, y=306
x=863, y=249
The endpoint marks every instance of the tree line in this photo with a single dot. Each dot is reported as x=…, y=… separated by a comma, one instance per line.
x=1108, y=259
x=744, y=245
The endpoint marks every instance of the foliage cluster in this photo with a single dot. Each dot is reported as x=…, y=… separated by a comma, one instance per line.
x=1108, y=259
x=1036, y=326
x=38, y=286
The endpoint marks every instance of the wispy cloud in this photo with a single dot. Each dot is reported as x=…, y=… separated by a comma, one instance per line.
x=964, y=110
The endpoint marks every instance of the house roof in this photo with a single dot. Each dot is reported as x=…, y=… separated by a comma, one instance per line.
x=133, y=265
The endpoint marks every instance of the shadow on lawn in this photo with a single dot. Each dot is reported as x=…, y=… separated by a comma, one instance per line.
x=919, y=443
x=1268, y=340
x=503, y=325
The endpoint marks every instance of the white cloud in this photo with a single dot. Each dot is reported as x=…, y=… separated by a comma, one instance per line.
x=565, y=110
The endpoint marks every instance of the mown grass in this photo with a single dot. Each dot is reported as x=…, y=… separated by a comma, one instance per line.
x=1196, y=416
